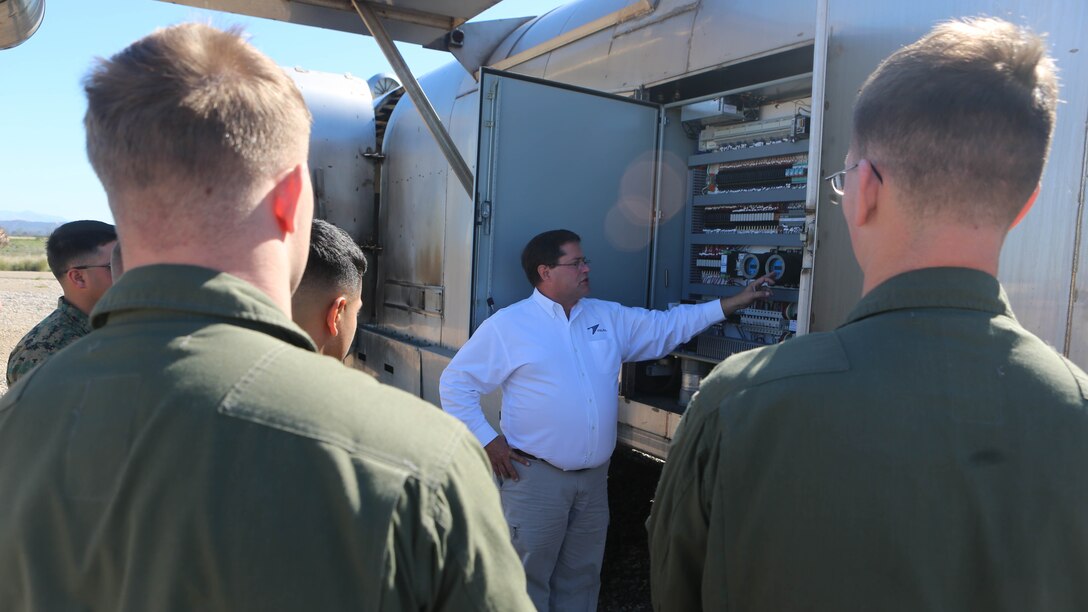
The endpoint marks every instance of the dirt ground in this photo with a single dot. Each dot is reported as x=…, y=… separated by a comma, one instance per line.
x=25, y=299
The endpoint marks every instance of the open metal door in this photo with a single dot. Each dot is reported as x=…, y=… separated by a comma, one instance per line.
x=552, y=156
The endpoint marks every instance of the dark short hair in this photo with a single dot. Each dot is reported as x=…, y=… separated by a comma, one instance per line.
x=73, y=241
x=335, y=260
x=962, y=118
x=545, y=249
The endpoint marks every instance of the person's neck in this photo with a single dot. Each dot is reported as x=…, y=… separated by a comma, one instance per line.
x=80, y=304
x=261, y=265
x=946, y=245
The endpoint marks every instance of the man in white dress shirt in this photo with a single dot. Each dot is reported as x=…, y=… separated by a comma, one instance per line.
x=557, y=358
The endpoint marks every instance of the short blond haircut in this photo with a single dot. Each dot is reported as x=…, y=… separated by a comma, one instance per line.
x=962, y=119
x=191, y=114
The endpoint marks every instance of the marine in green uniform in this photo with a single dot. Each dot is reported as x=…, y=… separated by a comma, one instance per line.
x=930, y=453
x=194, y=452
x=79, y=256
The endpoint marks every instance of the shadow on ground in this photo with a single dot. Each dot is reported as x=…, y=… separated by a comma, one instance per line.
x=625, y=576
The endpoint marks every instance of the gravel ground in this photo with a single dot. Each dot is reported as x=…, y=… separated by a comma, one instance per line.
x=625, y=575
x=25, y=299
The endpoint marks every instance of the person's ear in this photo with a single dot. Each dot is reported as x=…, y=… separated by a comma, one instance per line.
x=543, y=271
x=867, y=199
x=1027, y=206
x=76, y=278
x=285, y=199
x=334, y=313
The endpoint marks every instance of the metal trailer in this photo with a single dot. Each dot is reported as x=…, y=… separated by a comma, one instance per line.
x=576, y=119
x=589, y=117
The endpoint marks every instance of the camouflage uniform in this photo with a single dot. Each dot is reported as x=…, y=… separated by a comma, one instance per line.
x=62, y=327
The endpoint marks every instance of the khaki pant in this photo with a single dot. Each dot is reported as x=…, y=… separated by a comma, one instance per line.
x=558, y=524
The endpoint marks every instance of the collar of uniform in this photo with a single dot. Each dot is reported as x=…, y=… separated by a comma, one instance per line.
x=553, y=308
x=935, y=288
x=78, y=317
x=200, y=291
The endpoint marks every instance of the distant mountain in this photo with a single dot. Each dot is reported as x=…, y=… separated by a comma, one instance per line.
x=17, y=227
x=29, y=215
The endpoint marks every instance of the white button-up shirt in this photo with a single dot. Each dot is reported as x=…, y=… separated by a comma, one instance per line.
x=560, y=376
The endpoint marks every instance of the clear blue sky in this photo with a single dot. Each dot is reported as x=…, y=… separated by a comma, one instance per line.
x=43, y=166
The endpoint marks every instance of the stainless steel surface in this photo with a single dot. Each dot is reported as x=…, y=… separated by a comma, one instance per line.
x=1072, y=320
x=554, y=23
x=427, y=300
x=433, y=360
x=836, y=278
x=676, y=38
x=459, y=225
x=480, y=40
x=815, y=169
x=579, y=33
x=672, y=187
x=343, y=129
x=751, y=27
x=657, y=215
x=19, y=19
x=1063, y=192
x=691, y=374
x=412, y=21
x=416, y=192
x=620, y=54
x=390, y=360
x=644, y=427
x=1037, y=260
x=423, y=105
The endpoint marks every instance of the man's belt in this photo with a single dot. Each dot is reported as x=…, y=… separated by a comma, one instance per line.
x=545, y=461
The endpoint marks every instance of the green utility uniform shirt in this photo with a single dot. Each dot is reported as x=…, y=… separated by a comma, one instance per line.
x=930, y=454
x=195, y=453
x=62, y=327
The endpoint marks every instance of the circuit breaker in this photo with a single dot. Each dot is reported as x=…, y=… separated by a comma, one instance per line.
x=746, y=218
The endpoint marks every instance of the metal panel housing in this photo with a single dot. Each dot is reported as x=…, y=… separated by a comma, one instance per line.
x=605, y=147
x=1040, y=256
x=342, y=131
x=1042, y=264
x=415, y=193
x=389, y=359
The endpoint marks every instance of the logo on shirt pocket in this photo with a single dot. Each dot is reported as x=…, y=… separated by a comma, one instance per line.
x=603, y=352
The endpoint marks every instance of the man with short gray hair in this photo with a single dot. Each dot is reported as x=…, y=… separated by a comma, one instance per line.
x=930, y=453
x=195, y=452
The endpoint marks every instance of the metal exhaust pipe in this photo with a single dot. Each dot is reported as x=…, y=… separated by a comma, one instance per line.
x=19, y=19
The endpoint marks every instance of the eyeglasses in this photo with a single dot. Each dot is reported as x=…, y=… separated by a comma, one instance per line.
x=838, y=180
x=577, y=263
x=107, y=266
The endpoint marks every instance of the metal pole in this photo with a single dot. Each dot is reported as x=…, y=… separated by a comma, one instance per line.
x=441, y=136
